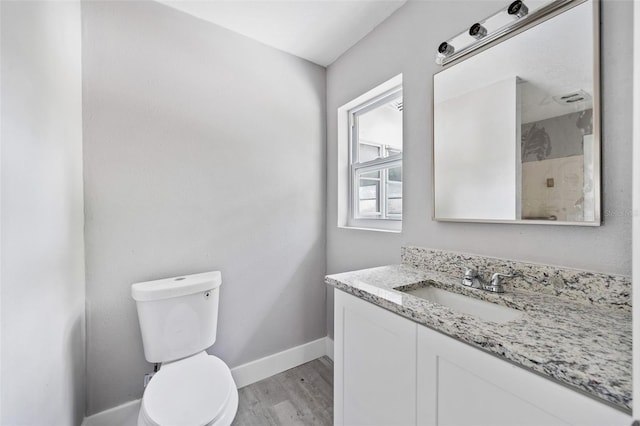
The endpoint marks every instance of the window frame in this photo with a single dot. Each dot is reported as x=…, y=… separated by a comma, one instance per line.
x=381, y=164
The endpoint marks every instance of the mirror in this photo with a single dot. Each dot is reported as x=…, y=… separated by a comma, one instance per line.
x=517, y=127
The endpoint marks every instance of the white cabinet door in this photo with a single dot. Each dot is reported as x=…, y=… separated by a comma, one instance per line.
x=375, y=365
x=461, y=385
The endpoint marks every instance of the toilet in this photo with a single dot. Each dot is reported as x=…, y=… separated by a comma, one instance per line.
x=178, y=320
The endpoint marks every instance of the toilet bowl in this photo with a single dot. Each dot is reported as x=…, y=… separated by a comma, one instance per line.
x=178, y=321
x=198, y=390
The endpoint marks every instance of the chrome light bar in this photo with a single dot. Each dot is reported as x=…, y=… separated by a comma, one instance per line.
x=496, y=26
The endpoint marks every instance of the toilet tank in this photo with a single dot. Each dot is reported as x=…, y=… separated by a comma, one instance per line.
x=178, y=316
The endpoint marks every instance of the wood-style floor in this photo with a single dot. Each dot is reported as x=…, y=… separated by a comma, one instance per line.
x=300, y=396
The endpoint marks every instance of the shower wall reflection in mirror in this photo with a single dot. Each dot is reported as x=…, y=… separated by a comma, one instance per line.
x=516, y=127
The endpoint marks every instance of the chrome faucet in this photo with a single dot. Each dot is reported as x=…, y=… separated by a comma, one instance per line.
x=471, y=279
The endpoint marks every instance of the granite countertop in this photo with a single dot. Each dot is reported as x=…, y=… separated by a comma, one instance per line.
x=582, y=345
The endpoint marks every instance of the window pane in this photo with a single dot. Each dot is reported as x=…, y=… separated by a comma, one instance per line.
x=394, y=206
x=380, y=131
x=395, y=174
x=371, y=200
x=371, y=175
x=368, y=207
x=394, y=191
x=394, y=198
x=369, y=152
x=369, y=193
x=368, y=190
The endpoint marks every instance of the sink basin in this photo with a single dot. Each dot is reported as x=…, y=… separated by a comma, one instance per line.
x=467, y=305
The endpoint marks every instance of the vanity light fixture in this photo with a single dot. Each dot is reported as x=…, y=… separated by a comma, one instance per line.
x=477, y=31
x=445, y=49
x=518, y=9
x=505, y=21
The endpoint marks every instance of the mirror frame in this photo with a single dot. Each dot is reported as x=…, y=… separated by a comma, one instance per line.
x=597, y=125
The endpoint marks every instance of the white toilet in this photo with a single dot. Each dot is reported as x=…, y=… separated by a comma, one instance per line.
x=178, y=320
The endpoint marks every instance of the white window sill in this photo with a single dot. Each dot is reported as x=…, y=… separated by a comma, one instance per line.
x=392, y=226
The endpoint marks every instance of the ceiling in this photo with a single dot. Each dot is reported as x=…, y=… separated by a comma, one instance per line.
x=317, y=30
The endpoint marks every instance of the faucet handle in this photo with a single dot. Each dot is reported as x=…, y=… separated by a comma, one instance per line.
x=495, y=278
x=471, y=278
x=470, y=273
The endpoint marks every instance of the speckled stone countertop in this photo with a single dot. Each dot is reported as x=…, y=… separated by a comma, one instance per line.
x=586, y=346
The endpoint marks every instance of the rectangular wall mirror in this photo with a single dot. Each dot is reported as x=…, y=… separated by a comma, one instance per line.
x=516, y=127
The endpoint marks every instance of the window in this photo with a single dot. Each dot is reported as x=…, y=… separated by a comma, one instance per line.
x=375, y=166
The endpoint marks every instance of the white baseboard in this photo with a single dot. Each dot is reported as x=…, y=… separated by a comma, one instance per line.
x=329, y=347
x=277, y=363
x=122, y=415
x=251, y=372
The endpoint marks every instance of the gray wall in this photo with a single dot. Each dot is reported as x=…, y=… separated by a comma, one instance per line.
x=405, y=43
x=204, y=150
x=43, y=288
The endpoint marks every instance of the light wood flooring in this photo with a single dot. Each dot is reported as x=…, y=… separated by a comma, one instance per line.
x=300, y=396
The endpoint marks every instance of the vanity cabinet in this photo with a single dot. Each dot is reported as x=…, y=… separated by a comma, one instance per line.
x=392, y=371
x=375, y=365
x=464, y=386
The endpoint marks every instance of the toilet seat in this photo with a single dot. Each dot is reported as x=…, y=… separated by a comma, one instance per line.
x=193, y=391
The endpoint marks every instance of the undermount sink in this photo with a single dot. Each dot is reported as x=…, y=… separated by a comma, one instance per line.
x=467, y=305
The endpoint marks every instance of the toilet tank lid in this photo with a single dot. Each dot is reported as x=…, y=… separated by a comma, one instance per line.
x=175, y=286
